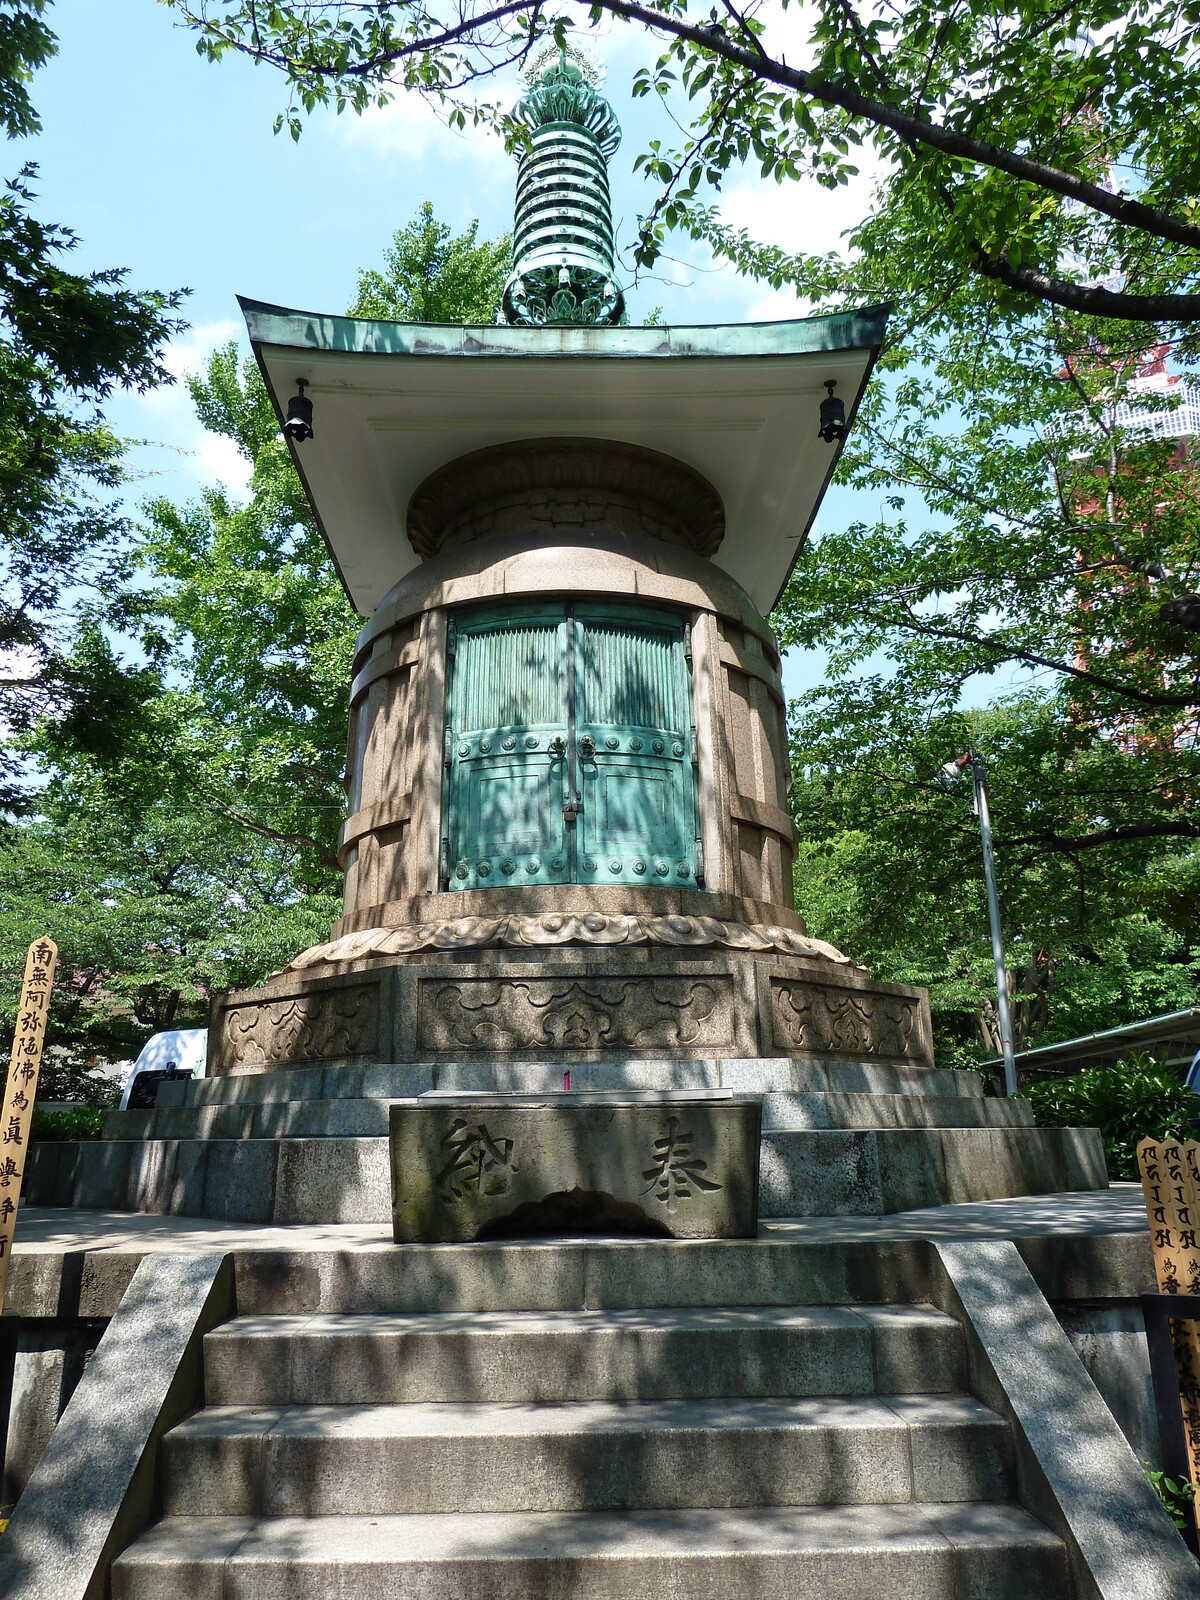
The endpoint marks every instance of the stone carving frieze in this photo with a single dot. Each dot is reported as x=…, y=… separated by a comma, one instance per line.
x=565, y=928
x=571, y=1014
x=821, y=1018
x=319, y=1026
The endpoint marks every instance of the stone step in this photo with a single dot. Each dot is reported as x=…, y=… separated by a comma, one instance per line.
x=804, y=1173
x=874, y=1172
x=584, y=1456
x=397, y=1080
x=344, y=1117
x=795, y=1112
x=936, y=1552
x=832, y=1076
x=558, y=1356
x=572, y=1274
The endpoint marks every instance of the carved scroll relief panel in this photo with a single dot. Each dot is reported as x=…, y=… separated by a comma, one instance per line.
x=325, y=1024
x=827, y=1019
x=576, y=1012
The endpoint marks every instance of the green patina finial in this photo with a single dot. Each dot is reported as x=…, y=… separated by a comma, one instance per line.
x=563, y=237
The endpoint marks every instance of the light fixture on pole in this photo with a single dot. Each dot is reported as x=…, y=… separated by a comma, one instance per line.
x=952, y=769
x=833, y=415
x=297, y=425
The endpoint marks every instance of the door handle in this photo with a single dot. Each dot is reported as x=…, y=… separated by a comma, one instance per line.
x=587, y=746
x=557, y=745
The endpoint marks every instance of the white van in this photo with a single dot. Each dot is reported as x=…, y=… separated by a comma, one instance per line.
x=181, y=1053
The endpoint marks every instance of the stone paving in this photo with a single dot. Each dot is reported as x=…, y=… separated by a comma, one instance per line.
x=1088, y=1213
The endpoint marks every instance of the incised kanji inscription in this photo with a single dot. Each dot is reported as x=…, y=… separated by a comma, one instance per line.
x=676, y=1172
x=478, y=1163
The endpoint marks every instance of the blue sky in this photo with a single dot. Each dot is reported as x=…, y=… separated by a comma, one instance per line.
x=167, y=166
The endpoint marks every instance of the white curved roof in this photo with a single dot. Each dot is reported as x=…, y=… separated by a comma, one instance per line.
x=393, y=401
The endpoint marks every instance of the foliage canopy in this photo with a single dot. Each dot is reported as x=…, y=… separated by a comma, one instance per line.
x=185, y=833
x=1000, y=129
x=1128, y=1101
x=1024, y=523
x=66, y=339
x=432, y=275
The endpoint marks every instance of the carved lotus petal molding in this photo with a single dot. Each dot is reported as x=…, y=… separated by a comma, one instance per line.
x=564, y=928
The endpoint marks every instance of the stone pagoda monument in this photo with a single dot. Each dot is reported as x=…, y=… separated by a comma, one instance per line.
x=567, y=771
x=568, y=852
x=568, y=857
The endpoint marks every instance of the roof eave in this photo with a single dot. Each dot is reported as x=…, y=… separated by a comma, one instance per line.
x=280, y=328
x=858, y=329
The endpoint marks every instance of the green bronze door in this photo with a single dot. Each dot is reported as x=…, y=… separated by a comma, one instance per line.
x=506, y=749
x=634, y=738
x=570, y=749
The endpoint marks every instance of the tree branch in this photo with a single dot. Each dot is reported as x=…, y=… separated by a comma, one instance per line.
x=907, y=126
x=328, y=858
x=1011, y=652
x=1070, y=844
x=1090, y=299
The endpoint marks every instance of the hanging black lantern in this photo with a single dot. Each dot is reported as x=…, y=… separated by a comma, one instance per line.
x=298, y=423
x=833, y=415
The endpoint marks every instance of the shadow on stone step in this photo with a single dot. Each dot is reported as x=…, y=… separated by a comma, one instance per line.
x=574, y=1212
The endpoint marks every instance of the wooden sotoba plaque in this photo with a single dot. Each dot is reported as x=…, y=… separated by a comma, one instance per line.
x=29, y=1038
x=1170, y=1174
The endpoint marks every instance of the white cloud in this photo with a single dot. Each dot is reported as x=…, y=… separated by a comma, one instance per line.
x=192, y=350
x=220, y=461
x=176, y=455
x=623, y=46
x=409, y=127
x=802, y=215
x=776, y=305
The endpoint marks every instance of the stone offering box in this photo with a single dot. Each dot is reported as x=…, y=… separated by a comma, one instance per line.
x=470, y=1166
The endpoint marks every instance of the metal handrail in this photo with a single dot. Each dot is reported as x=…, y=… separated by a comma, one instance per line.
x=1180, y=1028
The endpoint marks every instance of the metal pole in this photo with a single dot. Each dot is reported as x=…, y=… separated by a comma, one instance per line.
x=978, y=779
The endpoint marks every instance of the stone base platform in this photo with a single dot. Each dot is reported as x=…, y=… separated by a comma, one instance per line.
x=309, y=1145
x=574, y=1003
x=680, y=1165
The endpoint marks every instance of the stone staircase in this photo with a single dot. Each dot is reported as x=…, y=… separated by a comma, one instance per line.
x=551, y=1434
x=309, y=1144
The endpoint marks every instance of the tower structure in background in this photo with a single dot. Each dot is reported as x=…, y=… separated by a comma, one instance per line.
x=1138, y=382
x=1139, y=402
x=1152, y=380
